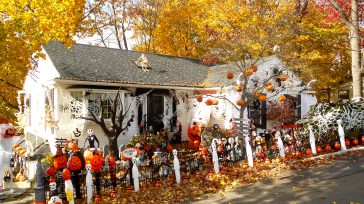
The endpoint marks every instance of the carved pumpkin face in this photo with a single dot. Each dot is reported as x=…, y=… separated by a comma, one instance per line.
x=50, y=171
x=194, y=132
x=60, y=162
x=74, y=163
x=96, y=162
x=66, y=173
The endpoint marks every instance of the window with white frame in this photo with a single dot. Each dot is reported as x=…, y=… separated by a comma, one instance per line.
x=95, y=100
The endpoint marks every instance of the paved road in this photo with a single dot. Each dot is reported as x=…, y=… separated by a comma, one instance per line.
x=340, y=182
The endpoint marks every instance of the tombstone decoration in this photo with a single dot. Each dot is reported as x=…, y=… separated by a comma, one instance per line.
x=341, y=132
x=312, y=141
x=215, y=159
x=135, y=174
x=176, y=167
x=91, y=139
x=66, y=173
x=89, y=183
x=39, y=193
x=280, y=144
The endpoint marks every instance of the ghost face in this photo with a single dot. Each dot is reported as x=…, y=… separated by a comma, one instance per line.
x=52, y=186
x=134, y=161
x=174, y=152
x=213, y=145
x=90, y=132
x=88, y=167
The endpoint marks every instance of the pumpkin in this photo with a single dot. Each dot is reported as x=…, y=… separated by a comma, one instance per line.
x=262, y=98
x=190, y=143
x=269, y=87
x=282, y=98
x=22, y=178
x=96, y=162
x=282, y=77
x=15, y=145
x=298, y=154
x=98, y=199
x=337, y=145
x=66, y=173
x=347, y=142
x=209, y=102
x=240, y=102
x=50, y=171
x=239, y=88
x=362, y=139
x=17, y=177
x=254, y=68
x=319, y=149
x=169, y=148
x=74, y=163
x=196, y=144
x=113, y=194
x=328, y=148
x=199, y=98
x=308, y=152
x=249, y=72
x=60, y=162
x=111, y=160
x=229, y=75
x=355, y=141
x=215, y=102
x=194, y=132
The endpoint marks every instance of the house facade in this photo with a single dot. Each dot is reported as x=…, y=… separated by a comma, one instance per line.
x=158, y=90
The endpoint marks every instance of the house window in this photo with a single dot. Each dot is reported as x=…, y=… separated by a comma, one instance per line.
x=95, y=100
x=257, y=114
x=343, y=94
x=77, y=95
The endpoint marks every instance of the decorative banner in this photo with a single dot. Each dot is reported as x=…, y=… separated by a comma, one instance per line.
x=129, y=153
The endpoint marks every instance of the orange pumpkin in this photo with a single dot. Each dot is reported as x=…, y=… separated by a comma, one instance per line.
x=298, y=154
x=15, y=145
x=328, y=148
x=239, y=88
x=262, y=98
x=254, y=68
x=229, y=75
x=362, y=139
x=50, y=171
x=194, y=132
x=199, y=98
x=169, y=148
x=196, y=144
x=74, y=163
x=308, y=152
x=215, y=102
x=347, y=142
x=98, y=199
x=240, y=102
x=282, y=77
x=318, y=149
x=96, y=162
x=249, y=72
x=269, y=87
x=337, y=145
x=282, y=98
x=257, y=94
x=60, y=162
x=355, y=141
x=66, y=173
x=209, y=102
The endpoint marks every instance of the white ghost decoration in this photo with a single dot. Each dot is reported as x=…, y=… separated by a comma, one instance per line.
x=89, y=183
x=176, y=166
x=215, y=158
x=135, y=173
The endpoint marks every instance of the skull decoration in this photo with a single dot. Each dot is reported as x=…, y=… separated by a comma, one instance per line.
x=174, y=152
x=90, y=132
x=52, y=185
x=88, y=167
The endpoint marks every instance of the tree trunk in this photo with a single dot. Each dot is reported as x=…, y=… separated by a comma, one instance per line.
x=355, y=50
x=113, y=143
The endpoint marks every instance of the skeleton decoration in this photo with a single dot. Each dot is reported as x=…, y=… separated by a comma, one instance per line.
x=341, y=132
x=89, y=183
x=249, y=152
x=135, y=173
x=215, y=158
x=91, y=138
x=55, y=200
x=53, y=187
x=176, y=167
x=143, y=63
x=312, y=141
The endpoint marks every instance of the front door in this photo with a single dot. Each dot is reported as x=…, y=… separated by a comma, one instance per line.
x=155, y=112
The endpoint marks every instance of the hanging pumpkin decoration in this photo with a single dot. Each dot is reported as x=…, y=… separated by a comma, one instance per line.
x=249, y=72
x=199, y=99
x=230, y=75
x=262, y=98
x=239, y=88
x=282, y=98
x=66, y=173
x=196, y=144
x=282, y=77
x=75, y=163
x=50, y=171
x=254, y=68
x=209, y=102
x=169, y=148
x=240, y=102
x=269, y=87
x=215, y=102
x=96, y=162
x=194, y=132
x=60, y=161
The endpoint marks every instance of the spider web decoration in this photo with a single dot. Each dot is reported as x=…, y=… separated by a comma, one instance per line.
x=94, y=106
x=76, y=108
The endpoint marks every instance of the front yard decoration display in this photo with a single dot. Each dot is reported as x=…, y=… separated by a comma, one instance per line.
x=135, y=174
x=176, y=167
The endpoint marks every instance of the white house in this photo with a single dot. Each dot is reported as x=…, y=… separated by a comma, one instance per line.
x=70, y=82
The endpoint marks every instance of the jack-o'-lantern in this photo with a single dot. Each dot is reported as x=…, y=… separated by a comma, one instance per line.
x=239, y=88
x=282, y=77
x=229, y=75
x=355, y=141
x=347, y=142
x=111, y=160
x=215, y=102
x=337, y=145
x=196, y=144
x=318, y=149
x=209, y=102
x=169, y=148
x=10, y=132
x=50, y=171
x=282, y=98
x=262, y=98
x=96, y=162
x=66, y=173
x=249, y=72
x=328, y=148
x=74, y=163
x=199, y=98
x=240, y=102
x=194, y=132
x=88, y=155
x=308, y=152
x=254, y=68
x=60, y=161
x=269, y=87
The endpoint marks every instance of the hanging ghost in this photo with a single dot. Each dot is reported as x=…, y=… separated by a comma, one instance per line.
x=215, y=158
x=176, y=167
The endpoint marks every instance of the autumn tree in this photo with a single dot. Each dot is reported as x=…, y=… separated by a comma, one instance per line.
x=24, y=27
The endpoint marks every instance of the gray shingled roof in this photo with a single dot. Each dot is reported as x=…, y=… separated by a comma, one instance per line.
x=99, y=64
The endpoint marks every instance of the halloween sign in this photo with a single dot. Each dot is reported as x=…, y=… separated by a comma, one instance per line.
x=128, y=153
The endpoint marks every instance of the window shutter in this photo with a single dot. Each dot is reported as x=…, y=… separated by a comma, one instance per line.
x=298, y=106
